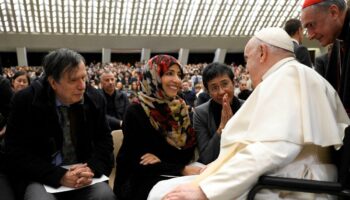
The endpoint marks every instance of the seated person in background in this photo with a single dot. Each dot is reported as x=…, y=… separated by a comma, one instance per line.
x=132, y=93
x=126, y=80
x=57, y=121
x=244, y=92
x=20, y=81
x=188, y=95
x=94, y=83
x=120, y=86
x=211, y=117
x=158, y=137
x=117, y=101
x=285, y=128
x=198, y=88
x=196, y=77
x=202, y=97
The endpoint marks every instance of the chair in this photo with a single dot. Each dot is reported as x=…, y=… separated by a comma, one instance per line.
x=117, y=142
x=340, y=189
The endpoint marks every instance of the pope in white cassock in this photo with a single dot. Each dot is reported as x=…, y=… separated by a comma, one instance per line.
x=285, y=128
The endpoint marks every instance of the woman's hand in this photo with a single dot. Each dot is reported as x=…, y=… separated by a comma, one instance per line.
x=149, y=159
x=226, y=113
x=191, y=170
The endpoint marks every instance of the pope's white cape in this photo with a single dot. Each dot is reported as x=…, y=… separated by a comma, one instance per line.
x=291, y=104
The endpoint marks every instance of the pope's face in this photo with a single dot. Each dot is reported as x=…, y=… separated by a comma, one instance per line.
x=251, y=55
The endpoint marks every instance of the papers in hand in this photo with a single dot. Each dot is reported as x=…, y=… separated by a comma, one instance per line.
x=65, y=189
x=50, y=189
x=198, y=164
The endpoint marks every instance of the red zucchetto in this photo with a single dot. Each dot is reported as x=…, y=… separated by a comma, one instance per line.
x=308, y=3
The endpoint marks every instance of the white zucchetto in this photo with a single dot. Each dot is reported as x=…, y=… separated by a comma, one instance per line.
x=276, y=37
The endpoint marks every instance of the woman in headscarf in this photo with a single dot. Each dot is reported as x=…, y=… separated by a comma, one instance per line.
x=159, y=140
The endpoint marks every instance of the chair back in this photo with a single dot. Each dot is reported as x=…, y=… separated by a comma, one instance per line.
x=117, y=142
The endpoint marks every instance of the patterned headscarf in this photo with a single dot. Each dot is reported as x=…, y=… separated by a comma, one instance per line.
x=168, y=115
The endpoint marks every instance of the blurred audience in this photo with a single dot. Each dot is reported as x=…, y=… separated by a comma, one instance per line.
x=244, y=91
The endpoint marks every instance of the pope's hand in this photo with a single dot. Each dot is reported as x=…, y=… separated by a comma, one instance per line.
x=186, y=192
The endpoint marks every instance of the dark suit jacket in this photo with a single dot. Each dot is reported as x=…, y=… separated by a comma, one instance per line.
x=208, y=140
x=34, y=136
x=302, y=54
x=321, y=64
x=5, y=96
x=202, y=98
x=344, y=85
x=121, y=102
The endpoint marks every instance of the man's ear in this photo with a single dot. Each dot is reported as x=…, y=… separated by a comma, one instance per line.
x=334, y=11
x=52, y=82
x=263, y=52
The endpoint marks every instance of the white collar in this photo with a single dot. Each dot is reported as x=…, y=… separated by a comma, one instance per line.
x=276, y=66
